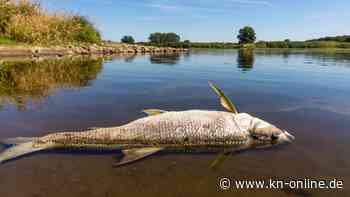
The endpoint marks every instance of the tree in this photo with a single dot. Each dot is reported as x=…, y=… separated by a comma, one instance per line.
x=155, y=38
x=186, y=44
x=246, y=35
x=164, y=38
x=128, y=40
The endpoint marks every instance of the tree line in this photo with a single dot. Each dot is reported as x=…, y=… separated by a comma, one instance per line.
x=159, y=39
x=246, y=35
x=246, y=39
x=302, y=44
x=345, y=38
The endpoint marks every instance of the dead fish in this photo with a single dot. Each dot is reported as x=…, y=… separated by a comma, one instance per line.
x=192, y=130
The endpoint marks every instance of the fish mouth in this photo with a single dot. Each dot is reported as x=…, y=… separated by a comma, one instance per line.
x=288, y=137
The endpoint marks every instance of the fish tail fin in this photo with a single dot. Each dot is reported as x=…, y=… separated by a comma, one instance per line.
x=16, y=141
x=18, y=147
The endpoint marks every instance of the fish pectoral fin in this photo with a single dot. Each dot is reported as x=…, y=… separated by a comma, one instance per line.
x=224, y=100
x=135, y=154
x=220, y=159
x=153, y=112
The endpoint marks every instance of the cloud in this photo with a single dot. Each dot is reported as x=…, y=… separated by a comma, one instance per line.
x=164, y=6
x=177, y=6
x=252, y=2
x=203, y=5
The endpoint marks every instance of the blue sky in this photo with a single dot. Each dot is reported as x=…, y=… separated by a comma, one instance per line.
x=212, y=20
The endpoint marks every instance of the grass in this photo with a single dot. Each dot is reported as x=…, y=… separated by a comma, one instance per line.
x=27, y=22
x=6, y=41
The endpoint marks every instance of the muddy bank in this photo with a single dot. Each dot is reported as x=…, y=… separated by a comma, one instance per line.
x=107, y=49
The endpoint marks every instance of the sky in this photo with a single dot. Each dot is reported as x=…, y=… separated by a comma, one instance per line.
x=212, y=20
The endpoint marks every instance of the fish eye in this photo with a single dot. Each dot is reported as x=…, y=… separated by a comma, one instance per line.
x=260, y=137
x=274, y=137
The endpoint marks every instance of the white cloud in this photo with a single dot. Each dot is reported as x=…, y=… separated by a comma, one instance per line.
x=164, y=6
x=253, y=2
x=203, y=5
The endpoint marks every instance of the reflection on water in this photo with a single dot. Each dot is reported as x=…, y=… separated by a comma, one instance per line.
x=129, y=58
x=30, y=81
x=33, y=80
x=323, y=57
x=245, y=59
x=305, y=92
x=167, y=59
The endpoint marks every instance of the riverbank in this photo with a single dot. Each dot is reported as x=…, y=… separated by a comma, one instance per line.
x=105, y=49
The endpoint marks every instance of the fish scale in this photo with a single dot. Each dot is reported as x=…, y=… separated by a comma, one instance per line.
x=173, y=128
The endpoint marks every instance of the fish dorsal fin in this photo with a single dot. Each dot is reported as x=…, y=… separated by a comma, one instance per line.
x=153, y=112
x=135, y=154
x=225, y=102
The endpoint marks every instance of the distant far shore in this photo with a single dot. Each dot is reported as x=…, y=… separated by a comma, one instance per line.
x=273, y=44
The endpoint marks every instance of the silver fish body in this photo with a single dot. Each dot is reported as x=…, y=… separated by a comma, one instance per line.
x=184, y=128
x=193, y=129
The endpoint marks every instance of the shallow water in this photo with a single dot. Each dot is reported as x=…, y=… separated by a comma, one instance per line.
x=305, y=92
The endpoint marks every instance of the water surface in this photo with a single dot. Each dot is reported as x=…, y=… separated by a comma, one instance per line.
x=305, y=92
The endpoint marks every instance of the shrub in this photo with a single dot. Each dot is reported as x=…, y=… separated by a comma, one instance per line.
x=5, y=15
x=87, y=32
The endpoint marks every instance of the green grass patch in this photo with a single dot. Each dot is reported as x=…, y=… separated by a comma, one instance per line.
x=6, y=41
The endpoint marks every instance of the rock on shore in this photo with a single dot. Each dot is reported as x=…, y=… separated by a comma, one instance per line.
x=106, y=49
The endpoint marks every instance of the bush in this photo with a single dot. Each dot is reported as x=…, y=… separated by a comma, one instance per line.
x=87, y=32
x=5, y=15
